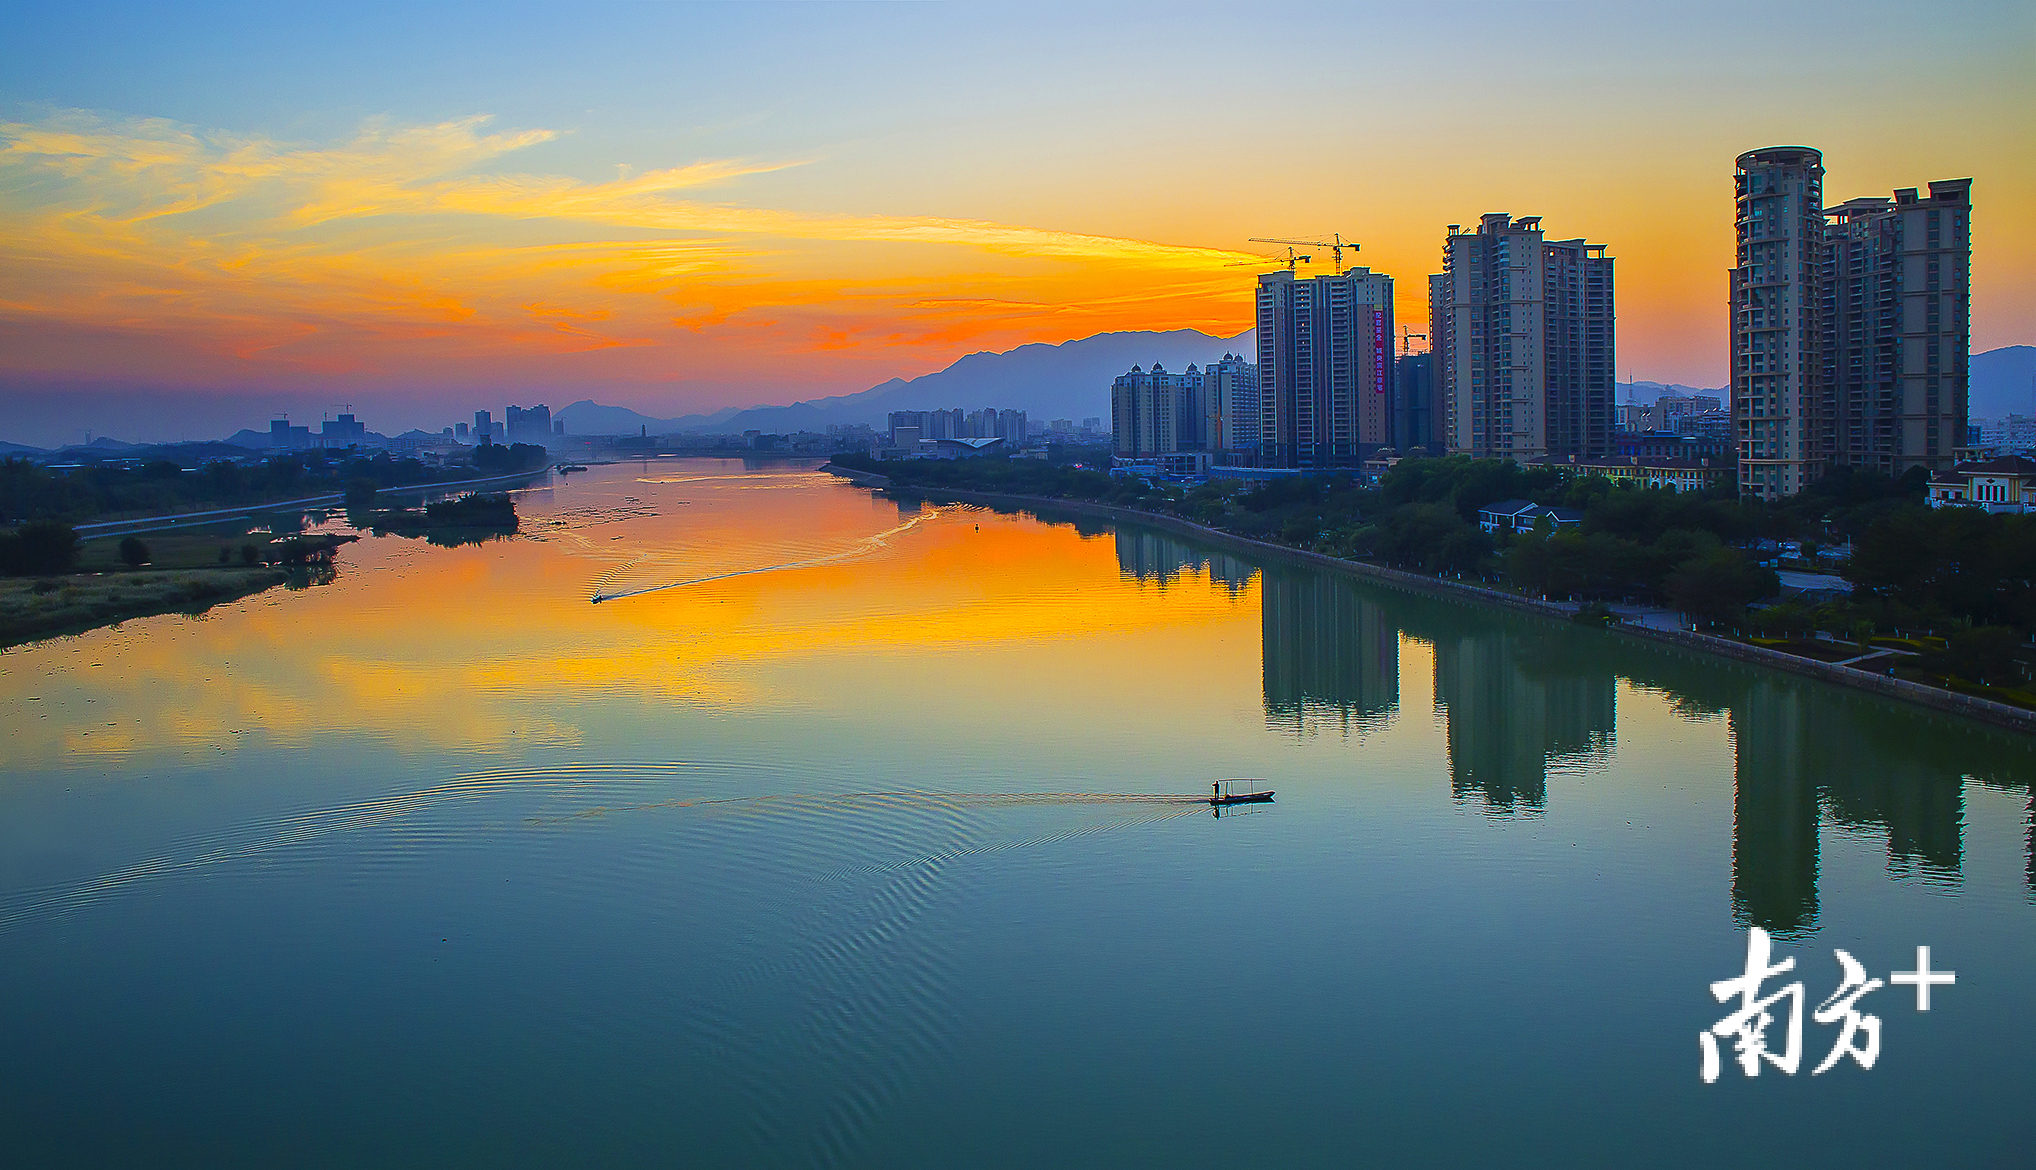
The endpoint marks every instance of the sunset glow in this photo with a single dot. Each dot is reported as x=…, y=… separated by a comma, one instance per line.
x=728, y=236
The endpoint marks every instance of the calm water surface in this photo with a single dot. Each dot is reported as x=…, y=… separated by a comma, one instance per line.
x=838, y=836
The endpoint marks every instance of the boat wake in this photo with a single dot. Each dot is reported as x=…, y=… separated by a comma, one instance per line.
x=861, y=548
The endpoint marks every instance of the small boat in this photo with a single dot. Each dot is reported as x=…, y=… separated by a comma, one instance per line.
x=563, y=468
x=1224, y=792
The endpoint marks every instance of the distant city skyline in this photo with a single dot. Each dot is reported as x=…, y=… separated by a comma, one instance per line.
x=415, y=211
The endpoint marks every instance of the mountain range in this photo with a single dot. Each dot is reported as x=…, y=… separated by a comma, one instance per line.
x=1649, y=391
x=1070, y=380
x=2003, y=382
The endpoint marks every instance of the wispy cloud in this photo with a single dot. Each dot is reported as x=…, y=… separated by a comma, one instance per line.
x=397, y=247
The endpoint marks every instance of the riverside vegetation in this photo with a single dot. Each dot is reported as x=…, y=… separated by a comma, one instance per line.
x=51, y=582
x=1955, y=587
x=30, y=492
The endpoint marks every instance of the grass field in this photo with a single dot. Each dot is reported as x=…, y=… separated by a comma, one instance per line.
x=42, y=607
x=198, y=549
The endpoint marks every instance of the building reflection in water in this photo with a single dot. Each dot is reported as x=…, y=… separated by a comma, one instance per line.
x=1808, y=756
x=1156, y=557
x=1521, y=699
x=1516, y=702
x=1332, y=656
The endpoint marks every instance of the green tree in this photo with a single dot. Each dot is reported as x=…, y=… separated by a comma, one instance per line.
x=1718, y=585
x=133, y=552
x=42, y=549
x=360, y=492
x=1986, y=655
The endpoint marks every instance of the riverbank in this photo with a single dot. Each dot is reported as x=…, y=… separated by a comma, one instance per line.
x=1950, y=702
x=34, y=608
x=171, y=520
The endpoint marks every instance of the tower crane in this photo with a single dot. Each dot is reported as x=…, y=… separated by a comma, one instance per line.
x=1292, y=259
x=1335, y=243
x=1407, y=336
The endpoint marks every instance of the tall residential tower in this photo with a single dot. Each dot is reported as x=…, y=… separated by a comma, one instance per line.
x=1777, y=407
x=1850, y=325
x=1325, y=356
x=1524, y=341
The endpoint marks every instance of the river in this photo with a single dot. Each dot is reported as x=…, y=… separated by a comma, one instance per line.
x=838, y=833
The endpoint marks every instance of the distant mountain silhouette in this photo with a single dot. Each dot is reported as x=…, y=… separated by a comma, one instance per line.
x=1070, y=380
x=2003, y=382
x=1647, y=392
x=587, y=417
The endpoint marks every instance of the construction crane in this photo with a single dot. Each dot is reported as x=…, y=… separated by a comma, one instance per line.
x=1406, y=336
x=1335, y=243
x=1292, y=259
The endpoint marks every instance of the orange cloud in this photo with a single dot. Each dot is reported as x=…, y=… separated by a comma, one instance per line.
x=405, y=252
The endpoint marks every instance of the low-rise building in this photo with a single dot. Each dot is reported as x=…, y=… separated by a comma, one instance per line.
x=1668, y=445
x=2004, y=484
x=1522, y=515
x=1681, y=475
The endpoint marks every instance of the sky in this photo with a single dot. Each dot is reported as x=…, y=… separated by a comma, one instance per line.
x=210, y=214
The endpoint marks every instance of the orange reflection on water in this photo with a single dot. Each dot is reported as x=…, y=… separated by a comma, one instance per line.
x=498, y=646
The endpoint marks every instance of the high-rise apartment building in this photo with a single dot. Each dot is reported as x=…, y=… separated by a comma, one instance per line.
x=1145, y=411
x=1850, y=325
x=988, y=423
x=1012, y=426
x=527, y=426
x=1325, y=356
x=1523, y=332
x=484, y=428
x=1416, y=413
x=344, y=431
x=1230, y=405
x=1896, y=323
x=1775, y=379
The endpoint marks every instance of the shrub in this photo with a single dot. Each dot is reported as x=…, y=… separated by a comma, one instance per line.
x=1985, y=655
x=43, y=549
x=360, y=492
x=133, y=552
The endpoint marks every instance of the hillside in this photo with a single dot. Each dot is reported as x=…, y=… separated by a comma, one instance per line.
x=1069, y=380
x=2003, y=382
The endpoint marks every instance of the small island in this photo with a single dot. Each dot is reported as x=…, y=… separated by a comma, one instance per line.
x=57, y=584
x=101, y=545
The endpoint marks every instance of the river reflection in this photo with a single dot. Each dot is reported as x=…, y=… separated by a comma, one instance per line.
x=1519, y=698
x=852, y=830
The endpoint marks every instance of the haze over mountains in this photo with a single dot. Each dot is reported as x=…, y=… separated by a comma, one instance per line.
x=1070, y=380
x=2003, y=382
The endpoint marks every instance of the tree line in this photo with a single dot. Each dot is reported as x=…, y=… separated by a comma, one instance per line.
x=1959, y=571
x=30, y=492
